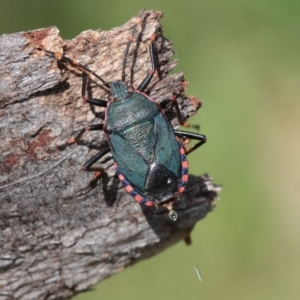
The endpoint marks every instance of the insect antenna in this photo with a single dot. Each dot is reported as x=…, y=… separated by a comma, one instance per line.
x=62, y=58
x=138, y=20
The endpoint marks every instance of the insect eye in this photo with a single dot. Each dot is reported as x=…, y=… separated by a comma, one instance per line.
x=130, y=89
x=111, y=97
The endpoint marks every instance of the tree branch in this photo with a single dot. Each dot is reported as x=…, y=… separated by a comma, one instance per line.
x=61, y=230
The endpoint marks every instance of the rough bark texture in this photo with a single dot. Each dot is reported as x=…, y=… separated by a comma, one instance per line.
x=61, y=231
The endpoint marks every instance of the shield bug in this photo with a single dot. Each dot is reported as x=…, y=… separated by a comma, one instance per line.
x=149, y=156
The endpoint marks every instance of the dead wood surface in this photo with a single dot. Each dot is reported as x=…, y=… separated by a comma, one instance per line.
x=61, y=231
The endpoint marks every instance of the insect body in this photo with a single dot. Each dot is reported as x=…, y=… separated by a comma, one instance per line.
x=149, y=157
x=145, y=148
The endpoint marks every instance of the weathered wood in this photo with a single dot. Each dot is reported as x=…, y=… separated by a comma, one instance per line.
x=60, y=230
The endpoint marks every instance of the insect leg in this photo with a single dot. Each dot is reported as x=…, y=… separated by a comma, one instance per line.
x=173, y=101
x=191, y=135
x=99, y=169
x=77, y=138
x=88, y=165
x=129, y=43
x=148, y=78
x=60, y=57
x=98, y=102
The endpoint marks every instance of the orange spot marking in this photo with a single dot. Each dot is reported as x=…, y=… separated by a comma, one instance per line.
x=182, y=151
x=129, y=188
x=121, y=177
x=181, y=189
x=138, y=198
x=98, y=174
x=185, y=164
x=71, y=141
x=149, y=203
x=185, y=178
x=115, y=165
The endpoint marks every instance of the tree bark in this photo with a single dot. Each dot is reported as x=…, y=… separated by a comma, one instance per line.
x=61, y=230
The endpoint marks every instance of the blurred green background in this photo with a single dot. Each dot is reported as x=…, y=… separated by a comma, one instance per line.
x=242, y=58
